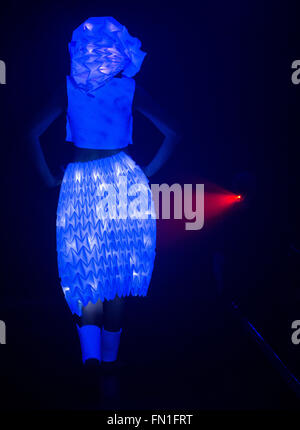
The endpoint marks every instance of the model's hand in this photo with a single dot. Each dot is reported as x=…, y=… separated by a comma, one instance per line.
x=53, y=182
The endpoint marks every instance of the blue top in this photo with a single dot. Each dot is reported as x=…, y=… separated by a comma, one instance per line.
x=101, y=119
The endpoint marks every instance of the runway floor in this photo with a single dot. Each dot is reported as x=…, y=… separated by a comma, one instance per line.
x=205, y=362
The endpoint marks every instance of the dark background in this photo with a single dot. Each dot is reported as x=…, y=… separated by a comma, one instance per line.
x=222, y=69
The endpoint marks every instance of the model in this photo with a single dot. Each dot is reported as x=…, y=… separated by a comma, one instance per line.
x=106, y=226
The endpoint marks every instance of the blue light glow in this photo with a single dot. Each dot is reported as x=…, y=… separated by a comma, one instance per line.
x=103, y=121
x=100, y=48
x=100, y=253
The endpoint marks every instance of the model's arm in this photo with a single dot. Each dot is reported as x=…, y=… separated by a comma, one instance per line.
x=166, y=125
x=43, y=120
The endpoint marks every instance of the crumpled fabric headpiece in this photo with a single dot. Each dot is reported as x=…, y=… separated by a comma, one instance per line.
x=101, y=48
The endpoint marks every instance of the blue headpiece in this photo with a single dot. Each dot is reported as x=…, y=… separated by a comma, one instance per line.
x=101, y=48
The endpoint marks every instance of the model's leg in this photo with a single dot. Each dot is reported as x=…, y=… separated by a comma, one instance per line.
x=111, y=332
x=90, y=332
x=110, y=340
x=92, y=314
x=113, y=314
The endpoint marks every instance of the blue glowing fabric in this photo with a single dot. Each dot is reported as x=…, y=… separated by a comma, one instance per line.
x=101, y=48
x=110, y=342
x=102, y=253
x=99, y=104
x=90, y=342
x=104, y=120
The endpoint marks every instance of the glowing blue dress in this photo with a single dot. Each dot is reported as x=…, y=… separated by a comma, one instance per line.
x=106, y=228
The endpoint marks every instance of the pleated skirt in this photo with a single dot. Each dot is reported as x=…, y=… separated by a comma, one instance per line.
x=105, y=231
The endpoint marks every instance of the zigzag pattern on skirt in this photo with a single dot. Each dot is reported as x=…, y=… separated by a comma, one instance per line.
x=100, y=256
